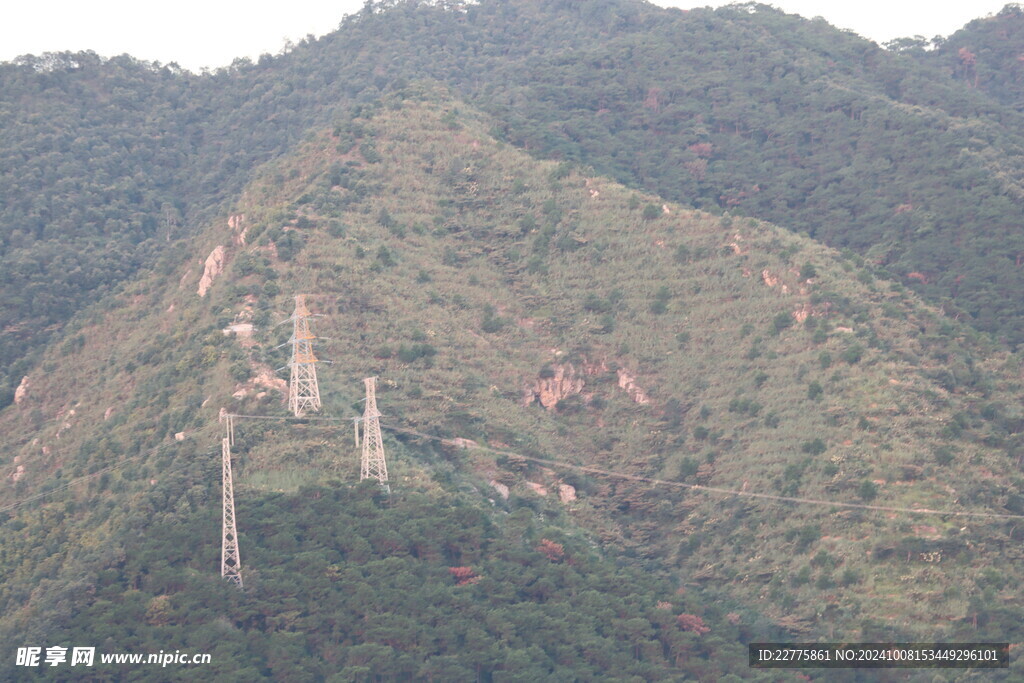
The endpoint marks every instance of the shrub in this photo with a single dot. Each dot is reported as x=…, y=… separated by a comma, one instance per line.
x=815, y=447
x=943, y=455
x=384, y=257
x=491, y=321
x=651, y=211
x=596, y=304
x=867, y=490
x=814, y=390
x=853, y=354
x=782, y=321
x=606, y=324
x=415, y=352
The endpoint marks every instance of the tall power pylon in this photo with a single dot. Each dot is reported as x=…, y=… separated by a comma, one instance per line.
x=303, y=390
x=373, y=464
x=230, y=563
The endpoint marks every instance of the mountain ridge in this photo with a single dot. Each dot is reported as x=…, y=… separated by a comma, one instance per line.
x=898, y=168
x=535, y=308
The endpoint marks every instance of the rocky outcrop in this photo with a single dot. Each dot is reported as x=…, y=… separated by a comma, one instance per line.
x=539, y=489
x=235, y=222
x=628, y=382
x=563, y=382
x=266, y=378
x=805, y=311
x=459, y=442
x=214, y=266
x=22, y=391
x=501, y=489
x=242, y=330
x=566, y=493
x=772, y=280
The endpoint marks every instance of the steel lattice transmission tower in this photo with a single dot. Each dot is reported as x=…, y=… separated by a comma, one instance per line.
x=303, y=390
x=373, y=463
x=230, y=563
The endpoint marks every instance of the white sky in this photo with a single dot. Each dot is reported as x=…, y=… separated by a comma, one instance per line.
x=211, y=33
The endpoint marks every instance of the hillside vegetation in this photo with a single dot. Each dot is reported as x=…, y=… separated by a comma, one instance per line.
x=534, y=308
x=904, y=158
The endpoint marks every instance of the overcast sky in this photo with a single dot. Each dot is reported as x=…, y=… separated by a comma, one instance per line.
x=211, y=33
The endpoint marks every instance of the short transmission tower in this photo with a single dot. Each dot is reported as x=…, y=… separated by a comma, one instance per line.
x=230, y=564
x=303, y=390
x=373, y=464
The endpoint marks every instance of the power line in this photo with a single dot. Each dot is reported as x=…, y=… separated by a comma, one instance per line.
x=679, y=484
x=716, y=490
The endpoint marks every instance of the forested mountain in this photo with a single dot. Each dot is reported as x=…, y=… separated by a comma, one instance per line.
x=729, y=248
x=908, y=160
x=984, y=54
x=537, y=311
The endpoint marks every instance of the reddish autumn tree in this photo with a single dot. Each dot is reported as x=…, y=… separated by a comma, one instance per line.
x=463, y=575
x=701, y=149
x=691, y=622
x=551, y=550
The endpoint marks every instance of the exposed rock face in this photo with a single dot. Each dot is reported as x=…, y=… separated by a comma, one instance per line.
x=771, y=279
x=628, y=382
x=801, y=314
x=566, y=381
x=238, y=329
x=214, y=267
x=539, y=489
x=235, y=222
x=550, y=390
x=566, y=493
x=22, y=391
x=501, y=489
x=459, y=442
x=266, y=378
